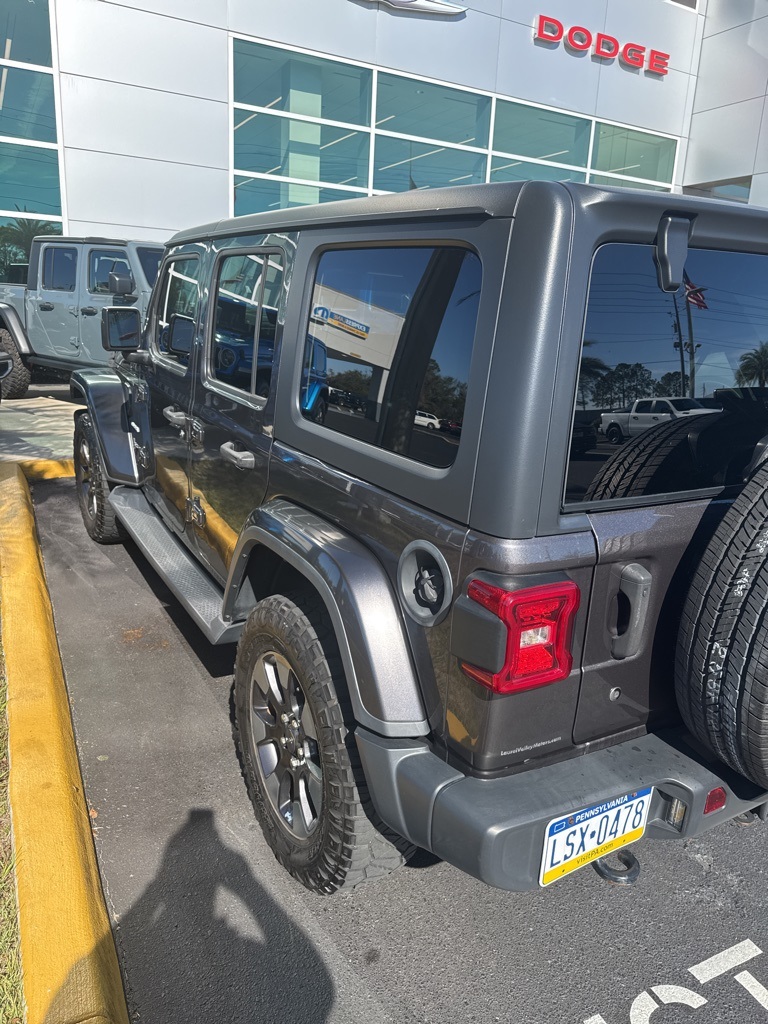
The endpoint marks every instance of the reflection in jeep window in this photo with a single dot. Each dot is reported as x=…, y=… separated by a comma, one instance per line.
x=178, y=294
x=248, y=294
x=103, y=262
x=701, y=353
x=389, y=346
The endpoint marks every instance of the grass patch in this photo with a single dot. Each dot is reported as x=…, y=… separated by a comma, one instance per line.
x=10, y=961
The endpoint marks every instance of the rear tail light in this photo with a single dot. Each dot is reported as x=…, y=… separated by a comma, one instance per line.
x=539, y=625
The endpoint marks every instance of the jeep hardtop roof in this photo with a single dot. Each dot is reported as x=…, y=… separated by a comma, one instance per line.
x=497, y=199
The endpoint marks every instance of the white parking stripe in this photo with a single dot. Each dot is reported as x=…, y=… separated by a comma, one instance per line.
x=753, y=986
x=723, y=962
x=597, y=1019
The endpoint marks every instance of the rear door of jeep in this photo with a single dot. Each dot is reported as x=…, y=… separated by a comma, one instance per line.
x=653, y=502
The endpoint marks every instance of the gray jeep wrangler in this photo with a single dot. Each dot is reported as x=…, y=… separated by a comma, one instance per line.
x=360, y=439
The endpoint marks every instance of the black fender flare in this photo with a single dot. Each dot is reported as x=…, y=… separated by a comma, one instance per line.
x=10, y=319
x=362, y=606
x=108, y=402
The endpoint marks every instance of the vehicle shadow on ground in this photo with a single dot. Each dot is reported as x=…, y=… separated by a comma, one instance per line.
x=206, y=942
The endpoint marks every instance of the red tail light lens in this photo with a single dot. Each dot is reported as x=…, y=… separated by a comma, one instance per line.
x=539, y=625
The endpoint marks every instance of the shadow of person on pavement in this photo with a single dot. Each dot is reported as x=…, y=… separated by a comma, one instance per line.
x=206, y=942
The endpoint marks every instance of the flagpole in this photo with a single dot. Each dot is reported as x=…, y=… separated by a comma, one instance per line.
x=691, y=350
x=679, y=330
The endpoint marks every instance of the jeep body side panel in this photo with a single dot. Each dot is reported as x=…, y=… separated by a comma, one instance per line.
x=384, y=525
x=108, y=400
x=360, y=602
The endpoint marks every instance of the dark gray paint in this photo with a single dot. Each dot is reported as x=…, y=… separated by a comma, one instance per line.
x=382, y=684
x=108, y=404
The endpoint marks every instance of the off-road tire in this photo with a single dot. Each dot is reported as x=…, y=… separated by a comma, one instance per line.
x=92, y=486
x=16, y=384
x=650, y=463
x=350, y=844
x=721, y=668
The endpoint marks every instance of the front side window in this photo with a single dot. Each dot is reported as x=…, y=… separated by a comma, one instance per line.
x=103, y=262
x=60, y=269
x=672, y=394
x=389, y=345
x=245, y=321
x=176, y=309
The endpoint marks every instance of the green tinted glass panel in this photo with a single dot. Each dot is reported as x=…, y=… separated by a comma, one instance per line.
x=639, y=154
x=258, y=195
x=543, y=134
x=504, y=169
x=25, y=32
x=412, y=107
x=268, y=144
x=401, y=165
x=29, y=179
x=266, y=76
x=607, y=179
x=16, y=234
x=27, y=109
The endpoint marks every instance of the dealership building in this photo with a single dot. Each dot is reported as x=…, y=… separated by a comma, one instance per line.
x=139, y=117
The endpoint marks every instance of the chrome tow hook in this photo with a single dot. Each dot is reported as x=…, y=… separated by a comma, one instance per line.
x=627, y=875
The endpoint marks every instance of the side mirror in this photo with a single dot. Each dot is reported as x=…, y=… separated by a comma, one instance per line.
x=6, y=364
x=121, y=284
x=120, y=328
x=180, y=334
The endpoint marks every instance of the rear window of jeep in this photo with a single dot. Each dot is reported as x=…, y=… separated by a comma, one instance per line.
x=701, y=351
x=389, y=346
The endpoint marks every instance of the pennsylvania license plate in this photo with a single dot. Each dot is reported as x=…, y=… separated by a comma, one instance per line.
x=580, y=837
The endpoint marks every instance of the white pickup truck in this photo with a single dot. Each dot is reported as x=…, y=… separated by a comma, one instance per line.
x=645, y=413
x=55, y=319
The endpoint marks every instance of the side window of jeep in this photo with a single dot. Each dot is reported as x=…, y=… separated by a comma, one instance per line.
x=242, y=347
x=389, y=345
x=174, y=315
x=700, y=352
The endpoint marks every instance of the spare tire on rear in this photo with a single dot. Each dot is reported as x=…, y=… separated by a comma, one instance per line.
x=721, y=669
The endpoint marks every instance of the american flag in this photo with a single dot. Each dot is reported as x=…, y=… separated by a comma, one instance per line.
x=693, y=294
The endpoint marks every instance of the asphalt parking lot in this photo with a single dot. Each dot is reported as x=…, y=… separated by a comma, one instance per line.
x=209, y=928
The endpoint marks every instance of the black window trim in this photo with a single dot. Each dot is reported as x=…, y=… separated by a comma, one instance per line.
x=157, y=355
x=102, y=248
x=207, y=378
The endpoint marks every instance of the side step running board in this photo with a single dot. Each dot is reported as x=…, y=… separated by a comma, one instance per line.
x=193, y=587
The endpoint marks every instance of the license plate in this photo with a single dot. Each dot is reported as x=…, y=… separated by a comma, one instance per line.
x=580, y=837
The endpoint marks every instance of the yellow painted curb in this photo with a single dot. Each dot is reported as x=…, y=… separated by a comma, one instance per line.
x=71, y=973
x=47, y=469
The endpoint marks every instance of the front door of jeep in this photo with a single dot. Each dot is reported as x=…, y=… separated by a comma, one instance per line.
x=98, y=263
x=229, y=436
x=169, y=379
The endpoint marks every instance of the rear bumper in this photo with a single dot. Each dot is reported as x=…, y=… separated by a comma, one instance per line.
x=494, y=828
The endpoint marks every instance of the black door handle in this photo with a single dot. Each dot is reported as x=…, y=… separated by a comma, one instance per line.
x=45, y=307
x=88, y=310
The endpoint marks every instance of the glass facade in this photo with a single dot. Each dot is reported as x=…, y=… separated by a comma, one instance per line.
x=30, y=190
x=308, y=129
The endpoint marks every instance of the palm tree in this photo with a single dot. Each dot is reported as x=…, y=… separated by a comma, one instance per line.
x=19, y=233
x=753, y=367
x=592, y=370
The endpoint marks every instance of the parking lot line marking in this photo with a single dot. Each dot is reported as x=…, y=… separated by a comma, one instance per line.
x=723, y=962
x=753, y=986
x=597, y=1019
